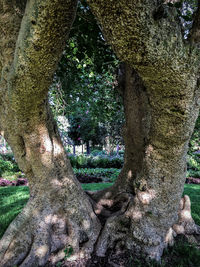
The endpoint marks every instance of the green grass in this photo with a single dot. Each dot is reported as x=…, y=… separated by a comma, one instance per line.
x=193, y=191
x=95, y=186
x=180, y=255
x=13, y=199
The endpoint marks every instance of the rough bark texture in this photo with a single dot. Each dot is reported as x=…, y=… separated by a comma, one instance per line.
x=144, y=203
x=58, y=214
x=161, y=99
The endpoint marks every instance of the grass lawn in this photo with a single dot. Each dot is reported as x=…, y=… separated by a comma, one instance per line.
x=193, y=191
x=95, y=186
x=13, y=199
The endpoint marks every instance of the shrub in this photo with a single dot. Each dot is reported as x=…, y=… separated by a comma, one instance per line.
x=8, y=157
x=192, y=173
x=97, y=152
x=105, y=174
x=73, y=160
x=5, y=166
x=194, y=162
x=83, y=161
x=8, y=164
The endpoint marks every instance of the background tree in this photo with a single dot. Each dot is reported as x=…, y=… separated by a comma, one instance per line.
x=85, y=129
x=86, y=79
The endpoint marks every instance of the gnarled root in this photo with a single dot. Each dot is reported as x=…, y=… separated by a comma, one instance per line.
x=132, y=228
x=44, y=229
x=186, y=224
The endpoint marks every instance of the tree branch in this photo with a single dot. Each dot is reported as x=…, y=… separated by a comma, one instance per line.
x=11, y=13
x=40, y=43
x=134, y=32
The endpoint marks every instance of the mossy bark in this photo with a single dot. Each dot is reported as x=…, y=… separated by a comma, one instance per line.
x=143, y=206
x=59, y=213
x=161, y=101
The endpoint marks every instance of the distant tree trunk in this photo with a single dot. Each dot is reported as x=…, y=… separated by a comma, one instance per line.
x=74, y=149
x=108, y=145
x=88, y=147
x=82, y=148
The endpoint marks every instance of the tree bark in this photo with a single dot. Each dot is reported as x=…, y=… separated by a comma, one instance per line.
x=144, y=203
x=161, y=101
x=161, y=98
x=74, y=150
x=58, y=213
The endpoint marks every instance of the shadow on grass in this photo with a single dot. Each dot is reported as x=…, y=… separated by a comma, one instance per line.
x=12, y=201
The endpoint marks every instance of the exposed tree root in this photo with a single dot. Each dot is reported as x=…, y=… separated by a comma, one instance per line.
x=41, y=233
x=186, y=224
x=124, y=228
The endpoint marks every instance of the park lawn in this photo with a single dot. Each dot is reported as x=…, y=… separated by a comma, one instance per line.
x=193, y=191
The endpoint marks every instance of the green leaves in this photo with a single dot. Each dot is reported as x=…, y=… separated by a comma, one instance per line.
x=85, y=80
x=178, y=4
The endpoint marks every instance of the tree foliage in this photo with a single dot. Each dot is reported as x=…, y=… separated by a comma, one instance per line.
x=86, y=79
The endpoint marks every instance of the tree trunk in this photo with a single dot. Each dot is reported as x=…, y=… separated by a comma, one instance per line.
x=161, y=95
x=88, y=148
x=74, y=149
x=58, y=213
x=144, y=203
x=161, y=99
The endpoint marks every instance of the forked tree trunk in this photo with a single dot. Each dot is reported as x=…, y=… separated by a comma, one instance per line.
x=161, y=98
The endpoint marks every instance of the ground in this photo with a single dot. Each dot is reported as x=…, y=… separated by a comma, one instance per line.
x=183, y=254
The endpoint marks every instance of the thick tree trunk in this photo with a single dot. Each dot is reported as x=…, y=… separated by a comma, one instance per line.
x=161, y=101
x=59, y=213
x=161, y=95
x=144, y=203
